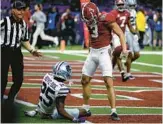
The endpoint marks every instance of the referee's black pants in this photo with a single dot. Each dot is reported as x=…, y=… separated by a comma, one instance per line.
x=14, y=58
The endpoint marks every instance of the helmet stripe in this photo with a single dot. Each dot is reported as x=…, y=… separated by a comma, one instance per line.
x=83, y=10
x=60, y=65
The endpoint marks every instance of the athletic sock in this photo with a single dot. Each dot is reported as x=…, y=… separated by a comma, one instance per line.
x=113, y=110
x=86, y=107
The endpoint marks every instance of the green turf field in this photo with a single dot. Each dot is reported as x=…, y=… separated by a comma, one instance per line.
x=152, y=60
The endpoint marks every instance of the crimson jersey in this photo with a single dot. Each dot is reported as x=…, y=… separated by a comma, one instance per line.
x=100, y=34
x=122, y=18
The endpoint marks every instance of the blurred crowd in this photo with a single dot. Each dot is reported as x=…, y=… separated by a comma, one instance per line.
x=64, y=24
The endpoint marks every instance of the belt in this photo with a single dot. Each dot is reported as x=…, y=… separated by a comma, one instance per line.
x=102, y=48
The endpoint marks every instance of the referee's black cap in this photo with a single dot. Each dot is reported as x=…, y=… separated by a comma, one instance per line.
x=17, y=4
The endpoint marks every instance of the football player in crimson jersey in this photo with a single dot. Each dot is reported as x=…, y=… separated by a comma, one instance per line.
x=123, y=19
x=53, y=95
x=100, y=26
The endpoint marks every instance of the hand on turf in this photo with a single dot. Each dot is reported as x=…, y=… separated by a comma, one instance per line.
x=36, y=53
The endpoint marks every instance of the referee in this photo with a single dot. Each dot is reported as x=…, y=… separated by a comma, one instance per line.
x=14, y=33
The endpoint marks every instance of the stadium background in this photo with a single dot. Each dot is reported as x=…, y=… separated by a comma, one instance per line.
x=149, y=6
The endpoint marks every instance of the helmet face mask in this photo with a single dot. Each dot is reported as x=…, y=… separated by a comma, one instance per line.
x=132, y=6
x=120, y=5
x=62, y=70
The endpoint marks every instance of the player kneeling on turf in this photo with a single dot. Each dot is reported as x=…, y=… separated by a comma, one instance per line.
x=53, y=94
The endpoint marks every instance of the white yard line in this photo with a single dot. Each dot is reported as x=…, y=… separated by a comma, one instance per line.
x=48, y=65
x=98, y=75
x=27, y=83
x=29, y=58
x=146, y=64
x=125, y=114
x=157, y=73
x=52, y=62
x=158, y=81
x=78, y=95
x=53, y=57
x=137, y=70
x=93, y=106
x=73, y=80
x=22, y=102
x=86, y=51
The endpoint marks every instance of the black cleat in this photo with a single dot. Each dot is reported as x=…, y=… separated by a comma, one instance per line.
x=125, y=77
x=115, y=117
x=88, y=113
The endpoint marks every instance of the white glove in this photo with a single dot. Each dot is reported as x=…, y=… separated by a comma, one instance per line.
x=136, y=38
x=31, y=113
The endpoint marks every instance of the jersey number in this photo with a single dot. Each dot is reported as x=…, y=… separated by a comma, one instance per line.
x=46, y=90
x=123, y=20
x=94, y=31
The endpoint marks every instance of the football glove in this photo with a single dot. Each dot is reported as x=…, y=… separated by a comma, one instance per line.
x=78, y=120
x=30, y=113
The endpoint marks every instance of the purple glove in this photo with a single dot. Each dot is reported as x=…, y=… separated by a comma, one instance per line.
x=78, y=120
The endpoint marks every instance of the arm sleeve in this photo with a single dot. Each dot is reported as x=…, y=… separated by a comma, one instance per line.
x=3, y=23
x=26, y=33
x=63, y=91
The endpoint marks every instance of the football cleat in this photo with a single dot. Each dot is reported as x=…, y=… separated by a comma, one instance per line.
x=131, y=77
x=125, y=77
x=88, y=113
x=114, y=117
x=30, y=113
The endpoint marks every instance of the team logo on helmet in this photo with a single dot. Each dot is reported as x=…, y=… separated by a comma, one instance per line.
x=90, y=13
x=62, y=70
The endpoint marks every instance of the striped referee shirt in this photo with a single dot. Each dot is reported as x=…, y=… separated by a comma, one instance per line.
x=13, y=33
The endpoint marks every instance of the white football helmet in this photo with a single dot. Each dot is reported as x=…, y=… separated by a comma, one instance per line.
x=62, y=70
x=131, y=4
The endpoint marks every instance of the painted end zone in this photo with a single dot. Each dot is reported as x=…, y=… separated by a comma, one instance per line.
x=143, y=87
